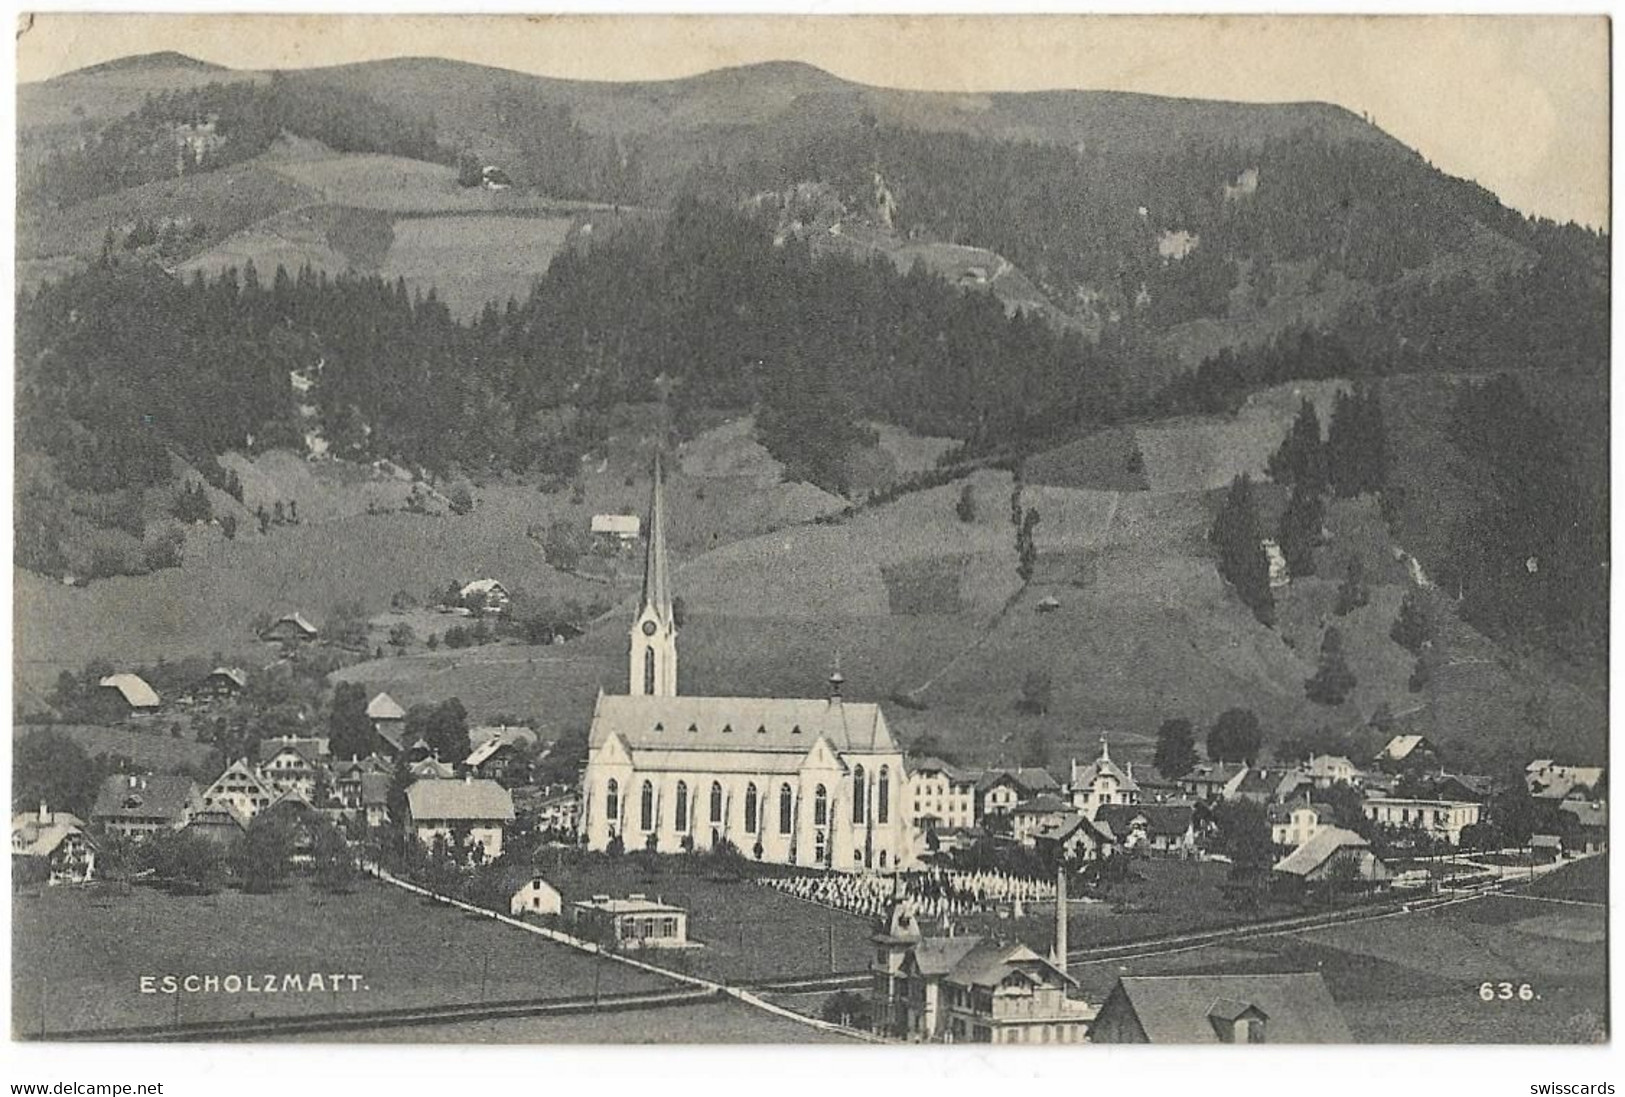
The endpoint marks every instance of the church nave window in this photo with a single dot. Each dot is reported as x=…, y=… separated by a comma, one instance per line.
x=820, y=808
x=883, y=796
x=612, y=800
x=716, y=802
x=786, y=810
x=859, y=793
x=682, y=808
x=646, y=807
x=750, y=808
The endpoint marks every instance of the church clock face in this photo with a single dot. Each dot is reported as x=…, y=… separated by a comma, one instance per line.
x=648, y=628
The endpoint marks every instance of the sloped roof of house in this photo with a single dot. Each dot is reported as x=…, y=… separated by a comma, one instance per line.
x=297, y=620
x=311, y=749
x=624, y=525
x=1029, y=779
x=1161, y=820
x=223, y=814
x=236, y=675
x=1588, y=813
x=991, y=962
x=432, y=769
x=1088, y=775
x=1282, y=813
x=151, y=796
x=1221, y=772
x=482, y=753
x=1179, y=1009
x=32, y=838
x=1400, y=747
x=133, y=688
x=384, y=707
x=1270, y=783
x=738, y=724
x=1042, y=805
x=1319, y=849
x=936, y=765
x=483, y=586
x=374, y=789
x=938, y=955
x=473, y=801
x=1069, y=824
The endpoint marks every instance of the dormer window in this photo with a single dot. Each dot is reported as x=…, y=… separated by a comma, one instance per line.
x=796, y=730
x=693, y=729
x=762, y=730
x=727, y=729
x=660, y=727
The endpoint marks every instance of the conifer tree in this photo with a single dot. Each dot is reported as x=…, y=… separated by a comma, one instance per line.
x=1300, y=530
x=1333, y=682
x=1243, y=562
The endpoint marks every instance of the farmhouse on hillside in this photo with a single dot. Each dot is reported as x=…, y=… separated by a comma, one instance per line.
x=786, y=781
x=449, y=810
x=1220, y=1009
x=224, y=682
x=128, y=695
x=290, y=628
x=485, y=596
x=615, y=532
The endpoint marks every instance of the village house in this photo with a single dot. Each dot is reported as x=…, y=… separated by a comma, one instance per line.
x=969, y=989
x=139, y=805
x=940, y=795
x=1151, y=828
x=634, y=922
x=127, y=695
x=1030, y=817
x=615, y=532
x=560, y=812
x=1460, y=786
x=219, y=823
x=388, y=722
x=1211, y=781
x=1262, y=785
x=290, y=628
x=501, y=757
x=363, y=789
x=1589, y=831
x=485, y=596
x=1444, y=819
x=430, y=768
x=1000, y=790
x=242, y=789
x=537, y=896
x=471, y=810
x=1408, y=754
x=223, y=682
x=294, y=762
x=1102, y=782
x=1291, y=825
x=1317, y=862
x=1073, y=836
x=1326, y=770
x=56, y=841
x=1549, y=781
x=1220, y=1009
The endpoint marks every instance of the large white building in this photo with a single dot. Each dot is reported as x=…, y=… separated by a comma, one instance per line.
x=789, y=781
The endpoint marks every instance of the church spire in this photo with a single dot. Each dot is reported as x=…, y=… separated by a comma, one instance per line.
x=652, y=670
x=656, y=582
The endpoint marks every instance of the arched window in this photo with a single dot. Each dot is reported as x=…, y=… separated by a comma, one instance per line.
x=882, y=858
x=858, y=794
x=646, y=807
x=612, y=800
x=750, y=808
x=883, y=796
x=649, y=671
x=682, y=808
x=820, y=806
x=716, y=801
x=787, y=810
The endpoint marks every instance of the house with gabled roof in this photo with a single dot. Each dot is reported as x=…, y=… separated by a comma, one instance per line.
x=139, y=805
x=1316, y=860
x=470, y=810
x=1411, y=753
x=1074, y=835
x=241, y=788
x=1153, y=828
x=1288, y=1008
x=940, y=796
x=1214, y=780
x=1102, y=782
x=294, y=762
x=224, y=682
x=485, y=596
x=55, y=840
x=129, y=695
x=290, y=628
x=1001, y=789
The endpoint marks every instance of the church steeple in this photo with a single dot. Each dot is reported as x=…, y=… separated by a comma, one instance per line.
x=653, y=656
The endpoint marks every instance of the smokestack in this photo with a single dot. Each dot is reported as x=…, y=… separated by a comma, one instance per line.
x=1060, y=918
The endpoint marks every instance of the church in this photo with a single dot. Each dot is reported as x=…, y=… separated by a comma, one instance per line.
x=814, y=782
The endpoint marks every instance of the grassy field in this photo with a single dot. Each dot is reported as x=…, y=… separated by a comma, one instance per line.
x=83, y=955
x=152, y=747
x=473, y=259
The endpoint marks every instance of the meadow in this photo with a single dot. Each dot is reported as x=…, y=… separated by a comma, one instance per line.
x=145, y=746
x=79, y=954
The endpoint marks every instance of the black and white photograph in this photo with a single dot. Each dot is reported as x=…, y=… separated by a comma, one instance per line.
x=1045, y=530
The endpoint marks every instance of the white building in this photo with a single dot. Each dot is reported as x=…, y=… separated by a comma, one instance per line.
x=940, y=796
x=1102, y=782
x=476, y=811
x=1326, y=770
x=536, y=897
x=1441, y=818
x=788, y=781
x=1291, y=825
x=634, y=922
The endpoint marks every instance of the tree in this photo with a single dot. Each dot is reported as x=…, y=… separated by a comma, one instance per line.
x=186, y=862
x=347, y=625
x=1353, y=593
x=1235, y=737
x=1301, y=460
x=461, y=497
x=51, y=769
x=1243, y=562
x=261, y=859
x=348, y=724
x=1299, y=532
x=847, y=1008
x=1026, y=545
x=1513, y=811
x=1035, y=693
x=402, y=636
x=443, y=726
x=1332, y=683
x=1176, y=749
x=1244, y=836
x=564, y=544
x=1357, y=444
x=334, y=862
x=1413, y=628
x=470, y=172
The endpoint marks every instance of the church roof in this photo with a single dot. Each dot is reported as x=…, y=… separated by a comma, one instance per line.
x=739, y=723
x=656, y=577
